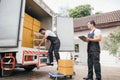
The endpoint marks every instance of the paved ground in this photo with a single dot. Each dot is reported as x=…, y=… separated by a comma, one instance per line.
x=108, y=73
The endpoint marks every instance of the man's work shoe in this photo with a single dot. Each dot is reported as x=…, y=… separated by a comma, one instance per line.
x=86, y=78
x=50, y=64
x=97, y=79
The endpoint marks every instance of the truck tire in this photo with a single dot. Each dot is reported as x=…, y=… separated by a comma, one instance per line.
x=29, y=68
x=8, y=68
x=5, y=73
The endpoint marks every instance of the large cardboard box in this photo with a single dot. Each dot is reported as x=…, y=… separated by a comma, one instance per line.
x=66, y=71
x=28, y=25
x=28, y=18
x=65, y=67
x=24, y=44
x=65, y=63
x=36, y=22
x=27, y=35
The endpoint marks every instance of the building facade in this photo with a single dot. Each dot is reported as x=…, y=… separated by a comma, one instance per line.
x=106, y=22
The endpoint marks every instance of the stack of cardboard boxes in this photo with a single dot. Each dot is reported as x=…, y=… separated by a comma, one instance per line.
x=36, y=28
x=31, y=25
x=65, y=67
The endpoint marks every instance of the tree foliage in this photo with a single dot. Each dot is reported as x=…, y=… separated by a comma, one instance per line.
x=80, y=11
x=112, y=42
x=98, y=12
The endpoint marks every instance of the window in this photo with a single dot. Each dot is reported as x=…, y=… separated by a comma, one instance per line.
x=76, y=47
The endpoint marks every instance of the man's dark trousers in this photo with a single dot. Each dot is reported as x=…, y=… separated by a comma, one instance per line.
x=94, y=61
x=54, y=47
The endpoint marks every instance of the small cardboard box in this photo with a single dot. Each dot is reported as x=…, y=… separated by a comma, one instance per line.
x=27, y=35
x=36, y=28
x=66, y=71
x=36, y=36
x=65, y=63
x=28, y=25
x=28, y=18
x=24, y=44
x=36, y=43
x=36, y=22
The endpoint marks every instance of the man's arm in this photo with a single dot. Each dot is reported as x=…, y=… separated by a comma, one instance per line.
x=97, y=39
x=43, y=40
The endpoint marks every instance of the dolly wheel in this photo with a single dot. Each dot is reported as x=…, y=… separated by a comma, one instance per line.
x=54, y=78
x=65, y=77
x=51, y=77
x=70, y=76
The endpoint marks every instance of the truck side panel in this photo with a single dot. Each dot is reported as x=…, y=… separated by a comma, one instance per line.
x=9, y=22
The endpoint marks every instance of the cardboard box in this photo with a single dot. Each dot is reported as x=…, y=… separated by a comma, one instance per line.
x=28, y=25
x=65, y=71
x=36, y=36
x=36, y=43
x=65, y=63
x=36, y=28
x=24, y=44
x=28, y=18
x=27, y=35
x=36, y=22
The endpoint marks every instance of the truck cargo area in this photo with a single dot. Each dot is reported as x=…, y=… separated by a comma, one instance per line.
x=33, y=9
x=35, y=17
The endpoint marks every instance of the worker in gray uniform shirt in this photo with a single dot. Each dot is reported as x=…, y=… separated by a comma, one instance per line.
x=93, y=49
x=55, y=44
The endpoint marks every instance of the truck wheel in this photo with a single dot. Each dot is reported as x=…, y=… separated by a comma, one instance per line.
x=5, y=73
x=7, y=69
x=29, y=68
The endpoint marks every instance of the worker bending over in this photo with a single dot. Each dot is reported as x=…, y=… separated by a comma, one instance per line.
x=55, y=44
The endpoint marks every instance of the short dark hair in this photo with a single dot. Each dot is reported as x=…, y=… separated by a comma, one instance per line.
x=92, y=22
x=42, y=29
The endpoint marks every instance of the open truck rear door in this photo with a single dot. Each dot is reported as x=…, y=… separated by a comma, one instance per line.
x=9, y=22
x=65, y=33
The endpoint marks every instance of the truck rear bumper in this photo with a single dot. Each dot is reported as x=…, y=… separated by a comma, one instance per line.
x=31, y=57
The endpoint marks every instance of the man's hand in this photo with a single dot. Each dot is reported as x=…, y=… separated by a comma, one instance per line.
x=42, y=41
x=87, y=40
x=38, y=47
x=45, y=48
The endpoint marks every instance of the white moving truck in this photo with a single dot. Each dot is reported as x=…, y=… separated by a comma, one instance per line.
x=12, y=53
